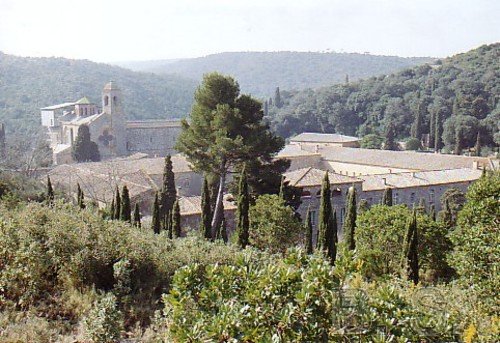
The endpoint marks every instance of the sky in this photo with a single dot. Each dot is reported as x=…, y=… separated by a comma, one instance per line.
x=127, y=30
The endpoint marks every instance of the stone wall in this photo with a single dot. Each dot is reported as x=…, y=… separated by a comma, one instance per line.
x=154, y=141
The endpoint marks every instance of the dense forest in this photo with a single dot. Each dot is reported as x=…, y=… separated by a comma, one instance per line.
x=260, y=72
x=27, y=84
x=460, y=94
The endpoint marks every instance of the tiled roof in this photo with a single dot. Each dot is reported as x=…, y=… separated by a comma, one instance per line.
x=294, y=150
x=416, y=179
x=399, y=159
x=314, y=137
x=99, y=179
x=192, y=205
x=308, y=177
x=84, y=101
x=143, y=124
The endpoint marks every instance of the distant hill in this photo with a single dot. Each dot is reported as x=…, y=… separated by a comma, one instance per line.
x=259, y=73
x=463, y=90
x=27, y=84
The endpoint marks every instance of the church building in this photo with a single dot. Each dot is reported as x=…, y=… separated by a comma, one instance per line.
x=115, y=137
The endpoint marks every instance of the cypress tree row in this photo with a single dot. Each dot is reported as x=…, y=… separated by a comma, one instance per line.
x=327, y=236
x=155, y=220
x=176, y=219
x=206, y=210
x=126, y=210
x=168, y=193
x=309, y=233
x=350, y=219
x=137, y=215
x=412, y=249
x=242, y=211
x=50, y=192
x=387, y=197
x=118, y=207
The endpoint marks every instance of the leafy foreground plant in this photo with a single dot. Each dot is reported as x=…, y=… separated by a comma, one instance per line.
x=299, y=298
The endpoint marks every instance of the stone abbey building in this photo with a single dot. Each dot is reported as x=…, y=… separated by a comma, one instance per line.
x=115, y=136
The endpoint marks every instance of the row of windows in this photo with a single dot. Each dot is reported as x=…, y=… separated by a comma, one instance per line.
x=84, y=112
x=335, y=192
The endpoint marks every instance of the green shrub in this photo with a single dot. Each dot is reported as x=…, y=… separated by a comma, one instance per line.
x=104, y=322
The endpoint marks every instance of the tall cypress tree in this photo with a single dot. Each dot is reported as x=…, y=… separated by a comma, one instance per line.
x=155, y=220
x=80, y=197
x=137, y=215
x=112, y=209
x=447, y=215
x=126, y=210
x=350, y=220
x=309, y=232
x=243, y=209
x=206, y=210
x=432, y=128
x=326, y=225
x=84, y=149
x=387, y=197
x=432, y=212
x=333, y=239
x=416, y=128
x=422, y=208
x=390, y=138
x=118, y=207
x=412, y=249
x=50, y=192
x=168, y=193
x=277, y=98
x=167, y=225
x=223, y=233
x=438, y=140
x=459, y=141
x=282, y=188
x=477, y=147
x=176, y=219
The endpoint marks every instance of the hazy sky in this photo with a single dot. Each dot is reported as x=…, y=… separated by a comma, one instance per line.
x=119, y=30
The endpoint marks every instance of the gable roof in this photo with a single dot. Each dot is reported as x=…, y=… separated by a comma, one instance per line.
x=83, y=101
x=309, y=177
x=400, y=159
x=314, y=137
x=192, y=205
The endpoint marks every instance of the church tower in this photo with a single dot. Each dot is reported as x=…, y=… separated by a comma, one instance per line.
x=112, y=107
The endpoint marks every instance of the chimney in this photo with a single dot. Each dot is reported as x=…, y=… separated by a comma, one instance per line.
x=475, y=165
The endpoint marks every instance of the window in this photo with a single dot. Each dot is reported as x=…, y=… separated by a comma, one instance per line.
x=336, y=192
x=115, y=100
x=431, y=196
x=396, y=198
x=342, y=215
x=85, y=110
x=412, y=198
x=306, y=194
x=106, y=100
x=150, y=139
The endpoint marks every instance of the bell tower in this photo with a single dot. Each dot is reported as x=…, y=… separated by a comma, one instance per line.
x=112, y=107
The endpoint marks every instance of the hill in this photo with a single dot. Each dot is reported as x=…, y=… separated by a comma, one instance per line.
x=462, y=90
x=27, y=84
x=259, y=73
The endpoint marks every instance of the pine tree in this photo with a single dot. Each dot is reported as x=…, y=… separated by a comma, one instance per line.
x=412, y=249
x=125, y=211
x=243, y=208
x=277, y=98
x=309, y=233
x=477, y=147
x=50, y=192
x=168, y=193
x=137, y=216
x=84, y=149
x=432, y=212
x=327, y=237
x=387, y=197
x=155, y=220
x=118, y=207
x=390, y=138
x=350, y=219
x=176, y=219
x=206, y=210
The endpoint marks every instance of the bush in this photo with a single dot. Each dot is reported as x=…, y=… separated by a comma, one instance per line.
x=273, y=225
x=413, y=144
x=104, y=323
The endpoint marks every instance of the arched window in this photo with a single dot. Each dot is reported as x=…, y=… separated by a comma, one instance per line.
x=106, y=100
x=115, y=100
x=336, y=192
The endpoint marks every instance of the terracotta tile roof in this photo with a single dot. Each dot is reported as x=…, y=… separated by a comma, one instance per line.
x=416, y=179
x=399, y=159
x=313, y=137
x=308, y=177
x=192, y=205
x=294, y=150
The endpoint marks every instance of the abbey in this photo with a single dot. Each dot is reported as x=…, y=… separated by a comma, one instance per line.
x=114, y=136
